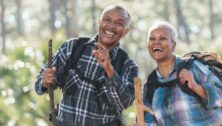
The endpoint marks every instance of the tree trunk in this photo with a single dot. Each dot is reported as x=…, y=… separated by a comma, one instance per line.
x=94, y=16
x=19, y=17
x=72, y=16
x=183, y=30
x=211, y=23
x=2, y=6
x=67, y=23
x=52, y=8
x=166, y=10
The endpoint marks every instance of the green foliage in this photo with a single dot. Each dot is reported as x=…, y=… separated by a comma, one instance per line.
x=18, y=103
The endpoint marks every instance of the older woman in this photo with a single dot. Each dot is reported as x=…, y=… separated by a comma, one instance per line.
x=172, y=105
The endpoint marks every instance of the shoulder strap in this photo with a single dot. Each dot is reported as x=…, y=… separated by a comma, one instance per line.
x=118, y=63
x=151, y=86
x=77, y=51
x=185, y=64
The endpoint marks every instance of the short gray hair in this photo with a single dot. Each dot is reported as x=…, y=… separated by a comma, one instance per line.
x=167, y=26
x=118, y=7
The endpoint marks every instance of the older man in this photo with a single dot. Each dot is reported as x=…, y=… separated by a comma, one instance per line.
x=100, y=86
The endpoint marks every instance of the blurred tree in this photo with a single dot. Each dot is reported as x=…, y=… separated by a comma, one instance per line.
x=3, y=31
x=166, y=12
x=211, y=23
x=182, y=27
x=19, y=17
x=72, y=17
x=93, y=10
x=52, y=9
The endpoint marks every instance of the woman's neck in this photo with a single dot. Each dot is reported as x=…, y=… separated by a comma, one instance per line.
x=166, y=67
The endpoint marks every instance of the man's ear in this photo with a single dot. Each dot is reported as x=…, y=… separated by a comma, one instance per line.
x=125, y=32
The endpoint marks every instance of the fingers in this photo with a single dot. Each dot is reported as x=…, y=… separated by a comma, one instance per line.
x=99, y=46
x=100, y=52
x=184, y=75
x=48, y=76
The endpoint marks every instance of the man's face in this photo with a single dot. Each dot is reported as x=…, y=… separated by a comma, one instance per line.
x=112, y=27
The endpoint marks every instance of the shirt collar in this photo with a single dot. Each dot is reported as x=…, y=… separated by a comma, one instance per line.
x=175, y=68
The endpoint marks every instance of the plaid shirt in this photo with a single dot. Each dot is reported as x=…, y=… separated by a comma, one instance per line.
x=175, y=108
x=96, y=99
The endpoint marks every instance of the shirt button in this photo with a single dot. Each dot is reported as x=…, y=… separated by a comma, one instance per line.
x=170, y=108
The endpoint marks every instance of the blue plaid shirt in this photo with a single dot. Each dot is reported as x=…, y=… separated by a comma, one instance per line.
x=175, y=108
x=85, y=102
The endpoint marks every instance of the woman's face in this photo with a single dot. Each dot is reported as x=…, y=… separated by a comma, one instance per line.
x=160, y=44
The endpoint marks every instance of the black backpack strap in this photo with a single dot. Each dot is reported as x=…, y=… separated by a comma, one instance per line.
x=118, y=63
x=76, y=53
x=151, y=86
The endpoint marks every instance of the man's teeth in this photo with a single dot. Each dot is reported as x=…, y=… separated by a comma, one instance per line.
x=109, y=33
x=157, y=49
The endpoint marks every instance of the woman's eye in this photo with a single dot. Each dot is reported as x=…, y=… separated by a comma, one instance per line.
x=152, y=39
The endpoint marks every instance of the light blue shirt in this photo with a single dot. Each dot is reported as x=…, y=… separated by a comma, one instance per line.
x=173, y=107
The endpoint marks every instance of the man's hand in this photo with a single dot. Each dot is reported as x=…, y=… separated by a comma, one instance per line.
x=48, y=76
x=103, y=58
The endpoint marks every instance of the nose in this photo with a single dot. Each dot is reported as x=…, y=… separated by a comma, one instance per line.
x=112, y=25
x=154, y=41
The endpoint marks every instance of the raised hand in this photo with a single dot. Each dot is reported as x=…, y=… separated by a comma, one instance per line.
x=103, y=58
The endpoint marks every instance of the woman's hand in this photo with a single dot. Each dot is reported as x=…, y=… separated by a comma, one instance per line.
x=186, y=77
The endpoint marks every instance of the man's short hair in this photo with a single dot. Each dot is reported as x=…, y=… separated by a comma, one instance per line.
x=127, y=14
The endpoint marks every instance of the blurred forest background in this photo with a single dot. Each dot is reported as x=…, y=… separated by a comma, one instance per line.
x=27, y=25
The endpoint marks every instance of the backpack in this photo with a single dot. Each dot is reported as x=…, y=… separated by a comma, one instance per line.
x=212, y=60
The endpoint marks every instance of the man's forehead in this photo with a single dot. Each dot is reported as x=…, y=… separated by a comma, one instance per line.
x=120, y=12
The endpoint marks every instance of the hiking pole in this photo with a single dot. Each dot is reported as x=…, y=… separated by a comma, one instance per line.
x=140, y=107
x=139, y=101
x=50, y=88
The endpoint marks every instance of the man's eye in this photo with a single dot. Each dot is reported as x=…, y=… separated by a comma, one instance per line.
x=107, y=20
x=120, y=24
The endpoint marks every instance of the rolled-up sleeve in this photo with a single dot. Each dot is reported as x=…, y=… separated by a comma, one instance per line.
x=211, y=84
x=121, y=89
